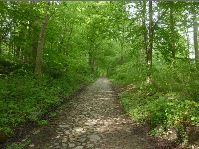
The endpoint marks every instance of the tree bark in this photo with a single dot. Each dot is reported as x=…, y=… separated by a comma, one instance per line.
x=34, y=46
x=0, y=47
x=144, y=28
x=188, y=42
x=172, y=31
x=39, y=56
x=150, y=48
x=195, y=28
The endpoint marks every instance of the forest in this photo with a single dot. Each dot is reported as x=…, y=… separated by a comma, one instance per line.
x=148, y=49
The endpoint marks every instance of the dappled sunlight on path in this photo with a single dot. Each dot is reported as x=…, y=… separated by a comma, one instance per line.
x=94, y=120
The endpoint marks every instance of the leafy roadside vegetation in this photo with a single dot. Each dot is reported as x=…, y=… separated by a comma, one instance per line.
x=158, y=71
x=43, y=59
x=170, y=102
x=47, y=51
x=25, y=98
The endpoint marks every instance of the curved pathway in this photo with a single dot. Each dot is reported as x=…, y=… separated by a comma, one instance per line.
x=92, y=120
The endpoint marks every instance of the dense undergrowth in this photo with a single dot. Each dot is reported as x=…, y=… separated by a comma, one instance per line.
x=170, y=102
x=27, y=98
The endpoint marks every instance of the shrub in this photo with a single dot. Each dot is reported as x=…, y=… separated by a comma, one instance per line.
x=25, y=98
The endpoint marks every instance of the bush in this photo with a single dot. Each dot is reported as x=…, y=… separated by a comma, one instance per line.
x=161, y=110
x=25, y=98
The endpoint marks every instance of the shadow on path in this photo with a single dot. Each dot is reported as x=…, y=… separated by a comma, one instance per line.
x=92, y=120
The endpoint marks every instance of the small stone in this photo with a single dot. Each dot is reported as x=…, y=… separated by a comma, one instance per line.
x=65, y=140
x=64, y=144
x=78, y=144
x=90, y=145
x=83, y=144
x=67, y=132
x=82, y=139
x=56, y=144
x=64, y=126
x=57, y=137
x=94, y=138
x=79, y=129
x=79, y=147
x=71, y=145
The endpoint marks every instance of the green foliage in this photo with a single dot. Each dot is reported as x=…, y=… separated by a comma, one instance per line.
x=128, y=72
x=43, y=122
x=169, y=102
x=18, y=145
x=23, y=95
x=165, y=94
x=24, y=98
x=167, y=110
x=86, y=39
x=183, y=78
x=15, y=146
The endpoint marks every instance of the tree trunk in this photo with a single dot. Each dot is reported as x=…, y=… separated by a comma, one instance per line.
x=34, y=25
x=34, y=46
x=0, y=48
x=195, y=27
x=39, y=57
x=172, y=31
x=144, y=28
x=150, y=48
x=188, y=42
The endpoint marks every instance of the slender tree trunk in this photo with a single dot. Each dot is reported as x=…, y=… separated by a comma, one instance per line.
x=188, y=42
x=34, y=46
x=172, y=31
x=34, y=36
x=1, y=41
x=17, y=52
x=150, y=48
x=0, y=47
x=122, y=51
x=195, y=27
x=144, y=28
x=39, y=57
x=122, y=43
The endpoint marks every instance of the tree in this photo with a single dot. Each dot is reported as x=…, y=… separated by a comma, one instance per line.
x=150, y=48
x=41, y=40
x=172, y=30
x=195, y=32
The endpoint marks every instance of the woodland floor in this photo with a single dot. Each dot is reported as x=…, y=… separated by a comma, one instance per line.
x=94, y=119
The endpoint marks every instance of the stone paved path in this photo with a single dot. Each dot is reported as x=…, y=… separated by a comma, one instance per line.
x=93, y=120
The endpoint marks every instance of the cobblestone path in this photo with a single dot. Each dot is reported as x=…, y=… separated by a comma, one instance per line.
x=92, y=120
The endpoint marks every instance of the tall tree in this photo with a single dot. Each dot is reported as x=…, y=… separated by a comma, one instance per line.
x=144, y=26
x=39, y=57
x=195, y=32
x=172, y=30
x=150, y=48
